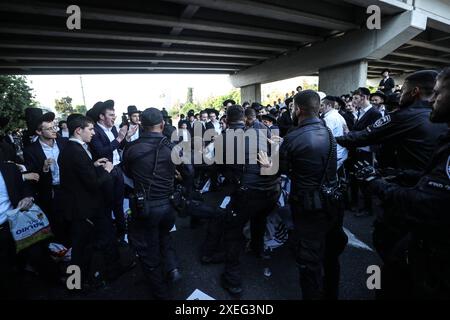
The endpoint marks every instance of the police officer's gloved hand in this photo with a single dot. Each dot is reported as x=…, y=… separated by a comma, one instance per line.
x=365, y=172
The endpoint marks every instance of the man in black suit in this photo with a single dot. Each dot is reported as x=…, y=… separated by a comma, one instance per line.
x=81, y=182
x=42, y=157
x=106, y=144
x=367, y=115
x=386, y=84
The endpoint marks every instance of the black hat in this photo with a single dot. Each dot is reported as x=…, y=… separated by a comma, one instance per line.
x=379, y=94
x=384, y=70
x=132, y=109
x=269, y=117
x=108, y=104
x=3, y=122
x=151, y=117
x=191, y=113
x=32, y=116
x=257, y=106
x=228, y=101
x=164, y=113
x=94, y=112
x=273, y=111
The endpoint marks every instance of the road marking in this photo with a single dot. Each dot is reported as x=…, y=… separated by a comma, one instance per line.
x=353, y=241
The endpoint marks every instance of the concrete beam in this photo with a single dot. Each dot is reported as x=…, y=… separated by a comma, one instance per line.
x=108, y=15
x=343, y=79
x=140, y=37
x=386, y=6
x=408, y=63
x=251, y=93
x=104, y=71
x=365, y=44
x=429, y=45
x=272, y=12
x=420, y=57
x=118, y=58
x=94, y=47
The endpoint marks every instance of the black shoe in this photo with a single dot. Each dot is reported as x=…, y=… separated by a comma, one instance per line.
x=174, y=275
x=235, y=291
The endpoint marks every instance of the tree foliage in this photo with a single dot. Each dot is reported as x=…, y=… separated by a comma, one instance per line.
x=64, y=107
x=80, y=108
x=15, y=97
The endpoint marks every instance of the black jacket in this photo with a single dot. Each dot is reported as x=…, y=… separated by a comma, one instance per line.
x=140, y=168
x=81, y=183
x=425, y=206
x=244, y=173
x=34, y=157
x=389, y=84
x=304, y=154
x=367, y=119
x=407, y=131
x=100, y=145
x=285, y=123
x=17, y=188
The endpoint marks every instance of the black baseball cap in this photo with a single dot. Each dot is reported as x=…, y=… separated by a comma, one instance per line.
x=151, y=117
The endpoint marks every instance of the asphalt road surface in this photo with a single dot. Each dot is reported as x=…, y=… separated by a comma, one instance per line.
x=283, y=284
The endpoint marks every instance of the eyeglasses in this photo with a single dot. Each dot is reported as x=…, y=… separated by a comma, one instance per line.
x=55, y=128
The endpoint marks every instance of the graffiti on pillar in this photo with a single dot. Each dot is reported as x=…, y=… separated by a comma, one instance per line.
x=374, y=20
x=74, y=20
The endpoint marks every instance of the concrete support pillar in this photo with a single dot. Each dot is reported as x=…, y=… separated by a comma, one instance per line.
x=251, y=93
x=343, y=79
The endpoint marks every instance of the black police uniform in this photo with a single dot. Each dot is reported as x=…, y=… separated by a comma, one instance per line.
x=254, y=198
x=408, y=129
x=424, y=207
x=148, y=162
x=318, y=237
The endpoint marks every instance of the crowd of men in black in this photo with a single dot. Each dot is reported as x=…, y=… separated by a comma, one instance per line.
x=398, y=149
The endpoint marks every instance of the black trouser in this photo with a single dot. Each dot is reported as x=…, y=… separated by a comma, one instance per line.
x=318, y=239
x=59, y=225
x=8, y=270
x=253, y=205
x=150, y=237
x=118, y=193
x=94, y=238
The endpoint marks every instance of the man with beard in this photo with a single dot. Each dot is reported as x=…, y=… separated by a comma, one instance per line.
x=423, y=207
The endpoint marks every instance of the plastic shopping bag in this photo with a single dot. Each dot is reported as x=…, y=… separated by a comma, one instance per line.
x=28, y=227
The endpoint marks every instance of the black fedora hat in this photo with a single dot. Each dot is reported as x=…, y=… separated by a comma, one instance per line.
x=226, y=102
x=132, y=109
x=269, y=117
x=379, y=94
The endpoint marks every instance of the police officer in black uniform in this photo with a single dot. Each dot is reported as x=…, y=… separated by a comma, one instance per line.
x=254, y=197
x=308, y=156
x=147, y=161
x=424, y=207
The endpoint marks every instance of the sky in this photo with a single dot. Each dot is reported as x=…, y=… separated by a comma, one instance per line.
x=143, y=91
x=163, y=90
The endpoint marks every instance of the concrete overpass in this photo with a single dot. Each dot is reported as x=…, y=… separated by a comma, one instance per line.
x=253, y=41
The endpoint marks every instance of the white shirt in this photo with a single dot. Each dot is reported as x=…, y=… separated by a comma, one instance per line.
x=65, y=133
x=134, y=136
x=84, y=145
x=53, y=153
x=337, y=123
x=217, y=126
x=5, y=203
x=110, y=134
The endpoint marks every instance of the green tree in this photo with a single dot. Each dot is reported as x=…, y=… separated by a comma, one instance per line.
x=64, y=106
x=217, y=101
x=15, y=97
x=80, y=108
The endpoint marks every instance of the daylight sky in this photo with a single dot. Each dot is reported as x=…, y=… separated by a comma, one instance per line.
x=162, y=90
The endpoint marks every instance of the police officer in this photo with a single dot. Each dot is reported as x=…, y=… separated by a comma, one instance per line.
x=254, y=197
x=147, y=161
x=308, y=157
x=424, y=207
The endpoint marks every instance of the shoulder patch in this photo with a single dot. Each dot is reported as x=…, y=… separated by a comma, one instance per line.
x=382, y=121
x=448, y=167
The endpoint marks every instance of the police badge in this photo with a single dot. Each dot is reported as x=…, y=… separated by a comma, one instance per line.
x=382, y=121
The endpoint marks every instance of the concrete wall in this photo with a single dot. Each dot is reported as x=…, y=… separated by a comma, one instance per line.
x=343, y=79
x=251, y=93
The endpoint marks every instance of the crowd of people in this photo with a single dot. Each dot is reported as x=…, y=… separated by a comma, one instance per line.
x=334, y=150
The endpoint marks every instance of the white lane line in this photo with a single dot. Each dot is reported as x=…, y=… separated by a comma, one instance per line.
x=353, y=241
